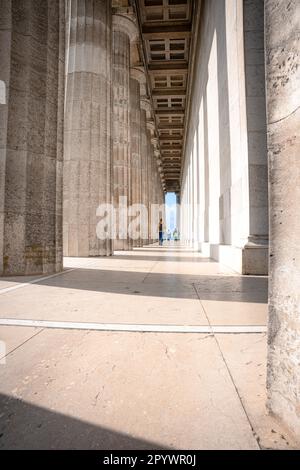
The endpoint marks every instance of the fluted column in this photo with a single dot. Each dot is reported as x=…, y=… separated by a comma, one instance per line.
x=124, y=32
x=150, y=127
x=145, y=180
x=31, y=126
x=87, y=159
x=146, y=136
x=155, y=186
x=135, y=143
x=282, y=29
x=178, y=207
x=138, y=74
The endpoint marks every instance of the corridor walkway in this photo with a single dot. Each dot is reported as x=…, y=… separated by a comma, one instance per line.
x=153, y=349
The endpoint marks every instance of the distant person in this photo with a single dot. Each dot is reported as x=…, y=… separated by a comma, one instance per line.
x=175, y=235
x=161, y=232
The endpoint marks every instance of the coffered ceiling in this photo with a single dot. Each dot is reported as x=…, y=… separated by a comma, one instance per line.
x=166, y=27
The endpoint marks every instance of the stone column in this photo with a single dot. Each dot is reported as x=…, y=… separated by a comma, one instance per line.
x=31, y=136
x=87, y=159
x=135, y=141
x=138, y=74
x=145, y=181
x=283, y=110
x=150, y=127
x=157, y=180
x=178, y=207
x=146, y=113
x=256, y=249
x=154, y=220
x=124, y=32
x=154, y=193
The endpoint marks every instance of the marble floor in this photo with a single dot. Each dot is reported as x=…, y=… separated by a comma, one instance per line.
x=158, y=348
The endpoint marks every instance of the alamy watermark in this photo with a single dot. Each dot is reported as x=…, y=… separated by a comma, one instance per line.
x=135, y=222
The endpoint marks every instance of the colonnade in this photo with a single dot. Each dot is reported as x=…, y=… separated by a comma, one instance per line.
x=224, y=190
x=74, y=132
x=77, y=131
x=240, y=191
x=115, y=134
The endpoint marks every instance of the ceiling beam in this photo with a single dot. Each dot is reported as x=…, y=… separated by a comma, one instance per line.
x=168, y=92
x=167, y=31
x=170, y=71
x=170, y=138
x=170, y=111
x=172, y=127
x=170, y=66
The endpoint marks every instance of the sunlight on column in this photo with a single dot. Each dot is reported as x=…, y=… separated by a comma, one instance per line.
x=2, y=92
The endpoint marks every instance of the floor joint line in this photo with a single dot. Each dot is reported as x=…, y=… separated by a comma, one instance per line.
x=230, y=374
x=22, y=285
x=21, y=344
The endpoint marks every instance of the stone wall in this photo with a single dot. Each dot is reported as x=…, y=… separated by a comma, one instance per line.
x=225, y=177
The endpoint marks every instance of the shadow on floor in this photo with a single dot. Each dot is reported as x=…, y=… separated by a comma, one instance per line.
x=164, y=285
x=28, y=427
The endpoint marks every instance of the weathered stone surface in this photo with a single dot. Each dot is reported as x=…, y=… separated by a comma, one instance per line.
x=87, y=159
x=144, y=166
x=124, y=32
x=139, y=75
x=283, y=107
x=135, y=147
x=31, y=136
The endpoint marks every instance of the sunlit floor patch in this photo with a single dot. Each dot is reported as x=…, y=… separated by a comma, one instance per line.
x=133, y=328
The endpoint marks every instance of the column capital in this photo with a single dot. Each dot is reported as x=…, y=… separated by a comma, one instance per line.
x=139, y=74
x=154, y=142
x=151, y=126
x=123, y=20
x=146, y=106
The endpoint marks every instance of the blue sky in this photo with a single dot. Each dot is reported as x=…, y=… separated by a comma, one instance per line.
x=170, y=217
x=170, y=199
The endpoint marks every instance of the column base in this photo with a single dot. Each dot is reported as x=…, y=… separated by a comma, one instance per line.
x=123, y=245
x=31, y=269
x=252, y=259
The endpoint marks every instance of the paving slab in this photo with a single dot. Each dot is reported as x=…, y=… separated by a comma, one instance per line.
x=15, y=337
x=235, y=313
x=81, y=390
x=104, y=390
x=246, y=357
x=80, y=296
